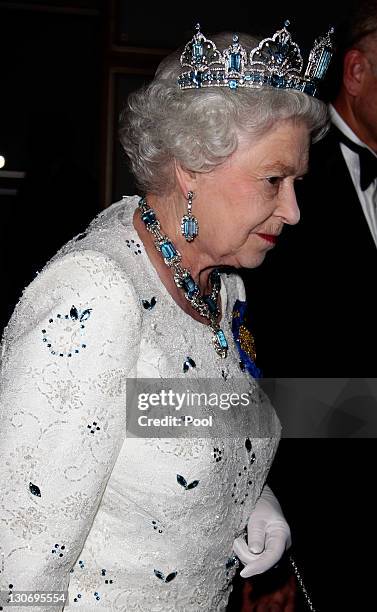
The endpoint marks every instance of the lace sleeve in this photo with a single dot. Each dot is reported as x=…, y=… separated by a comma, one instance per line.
x=71, y=342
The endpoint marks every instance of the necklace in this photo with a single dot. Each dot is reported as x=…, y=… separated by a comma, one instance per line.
x=205, y=305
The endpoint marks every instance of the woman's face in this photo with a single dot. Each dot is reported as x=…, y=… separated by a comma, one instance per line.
x=243, y=204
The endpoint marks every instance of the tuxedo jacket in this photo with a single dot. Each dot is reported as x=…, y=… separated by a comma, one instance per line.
x=312, y=303
x=312, y=299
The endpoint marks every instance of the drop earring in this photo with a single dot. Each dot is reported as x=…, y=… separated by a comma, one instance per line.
x=189, y=223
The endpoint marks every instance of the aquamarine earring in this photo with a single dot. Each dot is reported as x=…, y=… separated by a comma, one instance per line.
x=189, y=223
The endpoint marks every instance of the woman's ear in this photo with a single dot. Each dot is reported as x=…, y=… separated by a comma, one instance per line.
x=186, y=179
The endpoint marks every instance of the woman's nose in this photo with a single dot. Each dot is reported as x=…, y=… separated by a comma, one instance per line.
x=289, y=210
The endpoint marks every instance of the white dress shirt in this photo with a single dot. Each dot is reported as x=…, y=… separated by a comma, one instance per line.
x=367, y=198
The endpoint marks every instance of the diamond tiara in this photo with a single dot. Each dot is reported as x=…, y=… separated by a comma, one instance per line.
x=275, y=62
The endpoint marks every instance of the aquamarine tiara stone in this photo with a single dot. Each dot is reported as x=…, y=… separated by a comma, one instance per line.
x=275, y=62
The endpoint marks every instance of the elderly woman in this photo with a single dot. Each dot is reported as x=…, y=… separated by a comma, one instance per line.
x=216, y=142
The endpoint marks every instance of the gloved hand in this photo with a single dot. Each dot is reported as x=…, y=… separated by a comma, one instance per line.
x=268, y=536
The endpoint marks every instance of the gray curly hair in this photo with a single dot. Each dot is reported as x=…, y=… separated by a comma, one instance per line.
x=201, y=128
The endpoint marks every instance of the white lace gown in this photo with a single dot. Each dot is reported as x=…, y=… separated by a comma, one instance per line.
x=82, y=506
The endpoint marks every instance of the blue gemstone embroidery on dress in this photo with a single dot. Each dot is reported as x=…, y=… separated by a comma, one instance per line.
x=157, y=526
x=148, y=305
x=224, y=373
x=64, y=334
x=57, y=550
x=243, y=479
x=73, y=313
x=162, y=577
x=93, y=427
x=249, y=448
x=183, y=482
x=85, y=314
x=10, y=591
x=107, y=580
x=34, y=489
x=132, y=244
x=217, y=454
x=189, y=362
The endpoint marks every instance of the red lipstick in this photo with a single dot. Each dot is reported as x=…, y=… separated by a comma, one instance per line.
x=269, y=237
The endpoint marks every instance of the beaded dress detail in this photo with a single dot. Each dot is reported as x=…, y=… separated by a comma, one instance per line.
x=123, y=523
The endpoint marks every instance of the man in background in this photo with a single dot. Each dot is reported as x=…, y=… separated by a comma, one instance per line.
x=320, y=279
x=315, y=315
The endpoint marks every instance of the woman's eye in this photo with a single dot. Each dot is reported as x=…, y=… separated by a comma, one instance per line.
x=274, y=180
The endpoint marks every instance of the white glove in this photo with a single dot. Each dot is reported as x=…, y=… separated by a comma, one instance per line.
x=268, y=536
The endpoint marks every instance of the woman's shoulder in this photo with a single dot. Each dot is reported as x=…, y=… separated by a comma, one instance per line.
x=107, y=233
x=99, y=255
x=74, y=282
x=118, y=212
x=94, y=265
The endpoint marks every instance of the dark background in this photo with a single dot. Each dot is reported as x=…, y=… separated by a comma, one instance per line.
x=66, y=68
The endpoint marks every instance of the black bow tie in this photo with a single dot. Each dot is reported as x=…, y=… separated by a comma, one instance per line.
x=368, y=161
